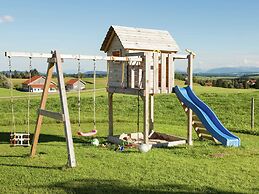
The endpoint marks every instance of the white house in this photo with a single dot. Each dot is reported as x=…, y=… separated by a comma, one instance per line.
x=73, y=84
x=36, y=84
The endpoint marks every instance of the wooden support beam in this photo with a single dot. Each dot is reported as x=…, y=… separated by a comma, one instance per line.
x=42, y=106
x=50, y=114
x=148, y=62
x=163, y=73
x=170, y=73
x=155, y=69
x=63, y=99
x=180, y=56
x=151, y=113
x=132, y=77
x=110, y=111
x=131, y=91
x=68, y=56
x=190, y=83
x=139, y=54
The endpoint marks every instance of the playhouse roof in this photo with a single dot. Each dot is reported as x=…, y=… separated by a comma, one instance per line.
x=140, y=39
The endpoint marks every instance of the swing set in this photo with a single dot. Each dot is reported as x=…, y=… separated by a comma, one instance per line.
x=55, y=60
x=19, y=138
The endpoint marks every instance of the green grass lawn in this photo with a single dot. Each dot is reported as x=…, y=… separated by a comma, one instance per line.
x=201, y=168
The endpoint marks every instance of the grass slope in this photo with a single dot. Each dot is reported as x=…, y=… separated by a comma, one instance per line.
x=202, y=168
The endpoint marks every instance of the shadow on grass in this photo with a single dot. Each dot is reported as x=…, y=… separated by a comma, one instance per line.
x=30, y=166
x=5, y=138
x=115, y=186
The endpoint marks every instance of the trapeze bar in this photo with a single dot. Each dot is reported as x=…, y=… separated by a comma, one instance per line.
x=68, y=56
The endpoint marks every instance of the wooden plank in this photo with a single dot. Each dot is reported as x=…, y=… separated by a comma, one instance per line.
x=139, y=54
x=197, y=124
x=50, y=114
x=190, y=83
x=209, y=137
x=109, y=41
x=110, y=110
x=132, y=77
x=64, y=105
x=203, y=131
x=190, y=70
x=131, y=91
x=180, y=56
x=69, y=56
x=163, y=73
x=42, y=106
x=140, y=78
x=148, y=61
x=170, y=73
x=155, y=69
x=151, y=113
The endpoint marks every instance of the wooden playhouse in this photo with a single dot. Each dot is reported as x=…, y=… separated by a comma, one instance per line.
x=152, y=72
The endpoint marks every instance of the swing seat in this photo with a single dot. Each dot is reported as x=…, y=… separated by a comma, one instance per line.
x=20, y=139
x=88, y=134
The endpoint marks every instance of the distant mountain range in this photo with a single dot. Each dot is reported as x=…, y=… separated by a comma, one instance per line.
x=97, y=73
x=233, y=70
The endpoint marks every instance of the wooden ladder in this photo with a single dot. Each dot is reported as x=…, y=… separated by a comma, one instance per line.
x=199, y=128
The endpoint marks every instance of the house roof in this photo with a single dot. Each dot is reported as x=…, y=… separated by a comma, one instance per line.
x=73, y=81
x=140, y=39
x=35, y=78
x=42, y=86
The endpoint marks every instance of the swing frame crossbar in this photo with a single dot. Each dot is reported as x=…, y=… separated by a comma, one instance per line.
x=55, y=60
x=68, y=56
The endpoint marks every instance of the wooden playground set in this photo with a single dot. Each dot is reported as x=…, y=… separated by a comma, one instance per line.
x=140, y=62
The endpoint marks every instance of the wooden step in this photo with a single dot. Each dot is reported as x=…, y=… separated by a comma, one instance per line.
x=197, y=124
x=209, y=137
x=195, y=117
x=203, y=131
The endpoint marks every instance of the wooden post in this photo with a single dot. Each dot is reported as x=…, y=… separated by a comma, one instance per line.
x=44, y=97
x=151, y=113
x=63, y=100
x=170, y=73
x=190, y=82
x=110, y=107
x=155, y=70
x=148, y=60
x=252, y=112
x=163, y=73
x=132, y=77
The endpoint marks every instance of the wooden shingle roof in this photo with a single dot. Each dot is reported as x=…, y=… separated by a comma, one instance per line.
x=140, y=39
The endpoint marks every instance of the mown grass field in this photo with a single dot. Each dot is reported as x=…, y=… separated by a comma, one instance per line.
x=201, y=168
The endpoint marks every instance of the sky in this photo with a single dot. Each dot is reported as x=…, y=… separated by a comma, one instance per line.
x=223, y=33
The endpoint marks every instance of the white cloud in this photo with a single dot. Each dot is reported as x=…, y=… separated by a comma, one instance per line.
x=6, y=19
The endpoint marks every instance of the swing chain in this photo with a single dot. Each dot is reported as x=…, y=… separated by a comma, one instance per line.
x=29, y=96
x=94, y=95
x=11, y=94
x=79, y=94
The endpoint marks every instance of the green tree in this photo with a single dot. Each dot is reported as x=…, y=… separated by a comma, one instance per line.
x=4, y=81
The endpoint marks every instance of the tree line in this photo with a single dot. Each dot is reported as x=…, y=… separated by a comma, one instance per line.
x=239, y=83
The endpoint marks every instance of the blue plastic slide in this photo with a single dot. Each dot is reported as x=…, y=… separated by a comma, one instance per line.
x=207, y=117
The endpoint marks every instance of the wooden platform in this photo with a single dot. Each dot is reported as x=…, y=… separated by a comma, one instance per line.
x=155, y=139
